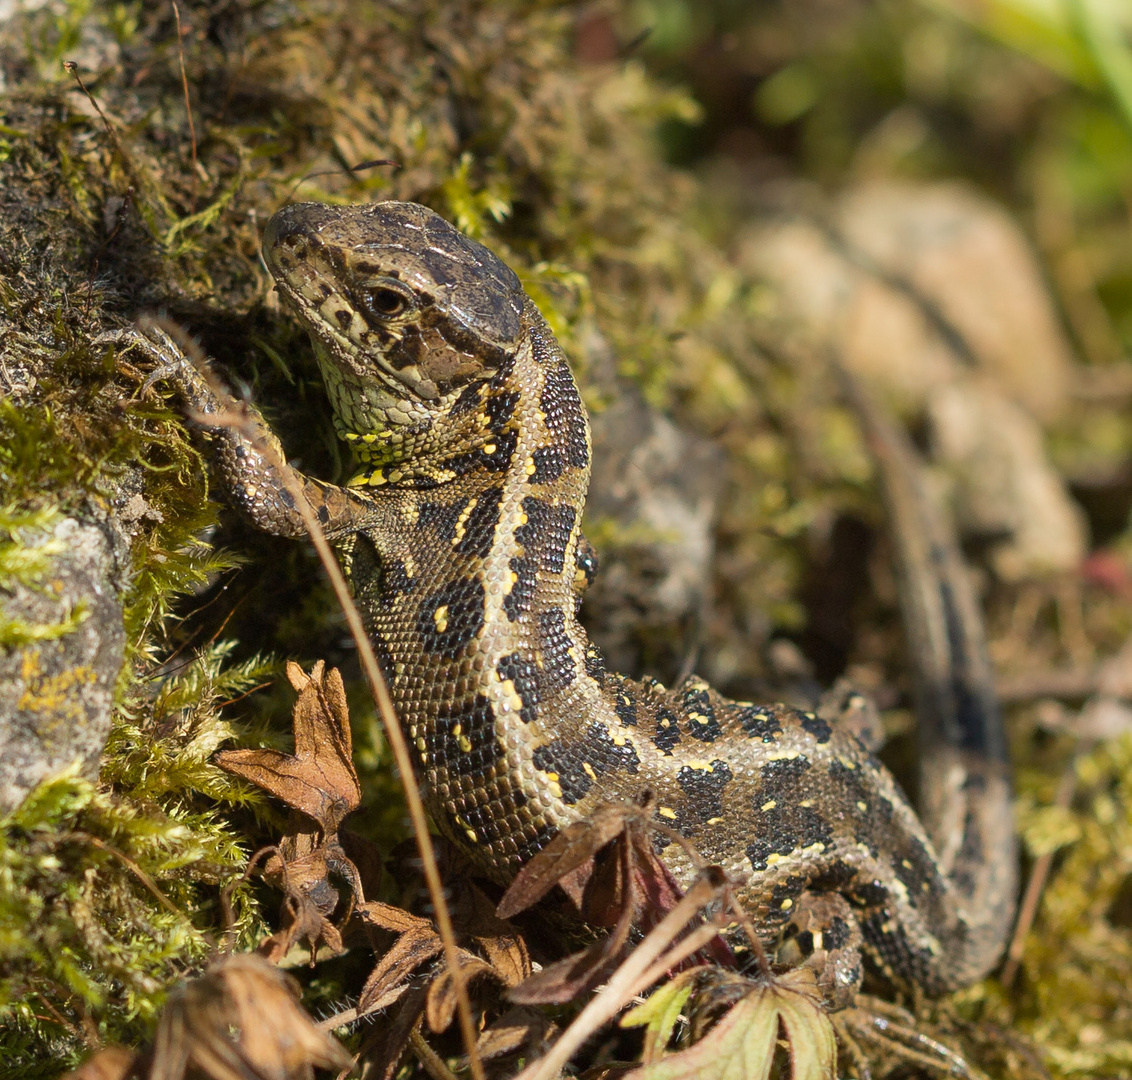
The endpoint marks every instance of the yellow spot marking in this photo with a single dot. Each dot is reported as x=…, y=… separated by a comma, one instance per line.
x=817, y=847
x=906, y=864
x=555, y=790
x=523, y=519
x=351, y=436
x=769, y=805
x=700, y=718
x=369, y=438
x=440, y=617
x=589, y=770
x=701, y=765
x=847, y=762
x=529, y=467
x=784, y=755
x=773, y=859
x=665, y=723
x=668, y=812
x=862, y=807
x=462, y=521
x=817, y=940
x=714, y=820
x=618, y=740
x=465, y=744
x=489, y=448
x=806, y=802
x=787, y=904
x=421, y=744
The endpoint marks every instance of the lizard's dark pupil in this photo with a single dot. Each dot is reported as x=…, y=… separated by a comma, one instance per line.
x=386, y=302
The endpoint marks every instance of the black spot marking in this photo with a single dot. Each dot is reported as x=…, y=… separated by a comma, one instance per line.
x=525, y=676
x=443, y=516
x=468, y=401
x=667, y=731
x=451, y=617
x=550, y=464
x=702, y=723
x=344, y=316
x=817, y=727
x=565, y=417
x=545, y=538
x=759, y=722
x=533, y=843
x=554, y=644
x=499, y=408
x=780, y=822
x=836, y=934
x=323, y=514
x=479, y=528
x=595, y=663
x=496, y=456
x=833, y=877
x=888, y=943
x=703, y=789
x=577, y=763
x=919, y=872
x=626, y=706
x=546, y=534
x=522, y=592
x=785, y=893
x=463, y=741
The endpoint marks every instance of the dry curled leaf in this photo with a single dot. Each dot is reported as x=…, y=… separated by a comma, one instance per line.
x=608, y=867
x=319, y=783
x=241, y=1020
x=742, y=1045
x=418, y=942
x=318, y=779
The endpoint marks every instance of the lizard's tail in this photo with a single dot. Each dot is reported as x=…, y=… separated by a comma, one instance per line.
x=965, y=801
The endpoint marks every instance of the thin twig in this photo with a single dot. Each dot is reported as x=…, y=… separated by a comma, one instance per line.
x=73, y=69
x=433, y=1063
x=380, y=691
x=1028, y=908
x=185, y=86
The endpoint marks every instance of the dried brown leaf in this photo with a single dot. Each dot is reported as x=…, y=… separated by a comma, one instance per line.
x=441, y=1007
x=302, y=920
x=417, y=943
x=241, y=1020
x=519, y=1028
x=385, y=1046
x=570, y=849
x=318, y=779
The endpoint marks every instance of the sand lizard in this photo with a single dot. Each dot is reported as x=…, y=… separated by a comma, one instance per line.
x=461, y=534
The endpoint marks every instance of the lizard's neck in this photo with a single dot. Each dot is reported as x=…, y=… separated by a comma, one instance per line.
x=476, y=601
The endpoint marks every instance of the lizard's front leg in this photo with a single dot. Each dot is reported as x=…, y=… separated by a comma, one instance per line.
x=253, y=468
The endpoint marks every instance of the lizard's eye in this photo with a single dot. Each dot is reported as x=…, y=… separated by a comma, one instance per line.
x=384, y=302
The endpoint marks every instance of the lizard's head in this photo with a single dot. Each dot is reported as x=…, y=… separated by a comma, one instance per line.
x=404, y=310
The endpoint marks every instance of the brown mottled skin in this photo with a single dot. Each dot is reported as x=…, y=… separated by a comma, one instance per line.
x=461, y=533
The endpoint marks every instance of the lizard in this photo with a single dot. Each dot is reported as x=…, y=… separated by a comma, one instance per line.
x=461, y=535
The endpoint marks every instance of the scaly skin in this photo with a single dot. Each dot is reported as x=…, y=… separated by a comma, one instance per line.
x=462, y=537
